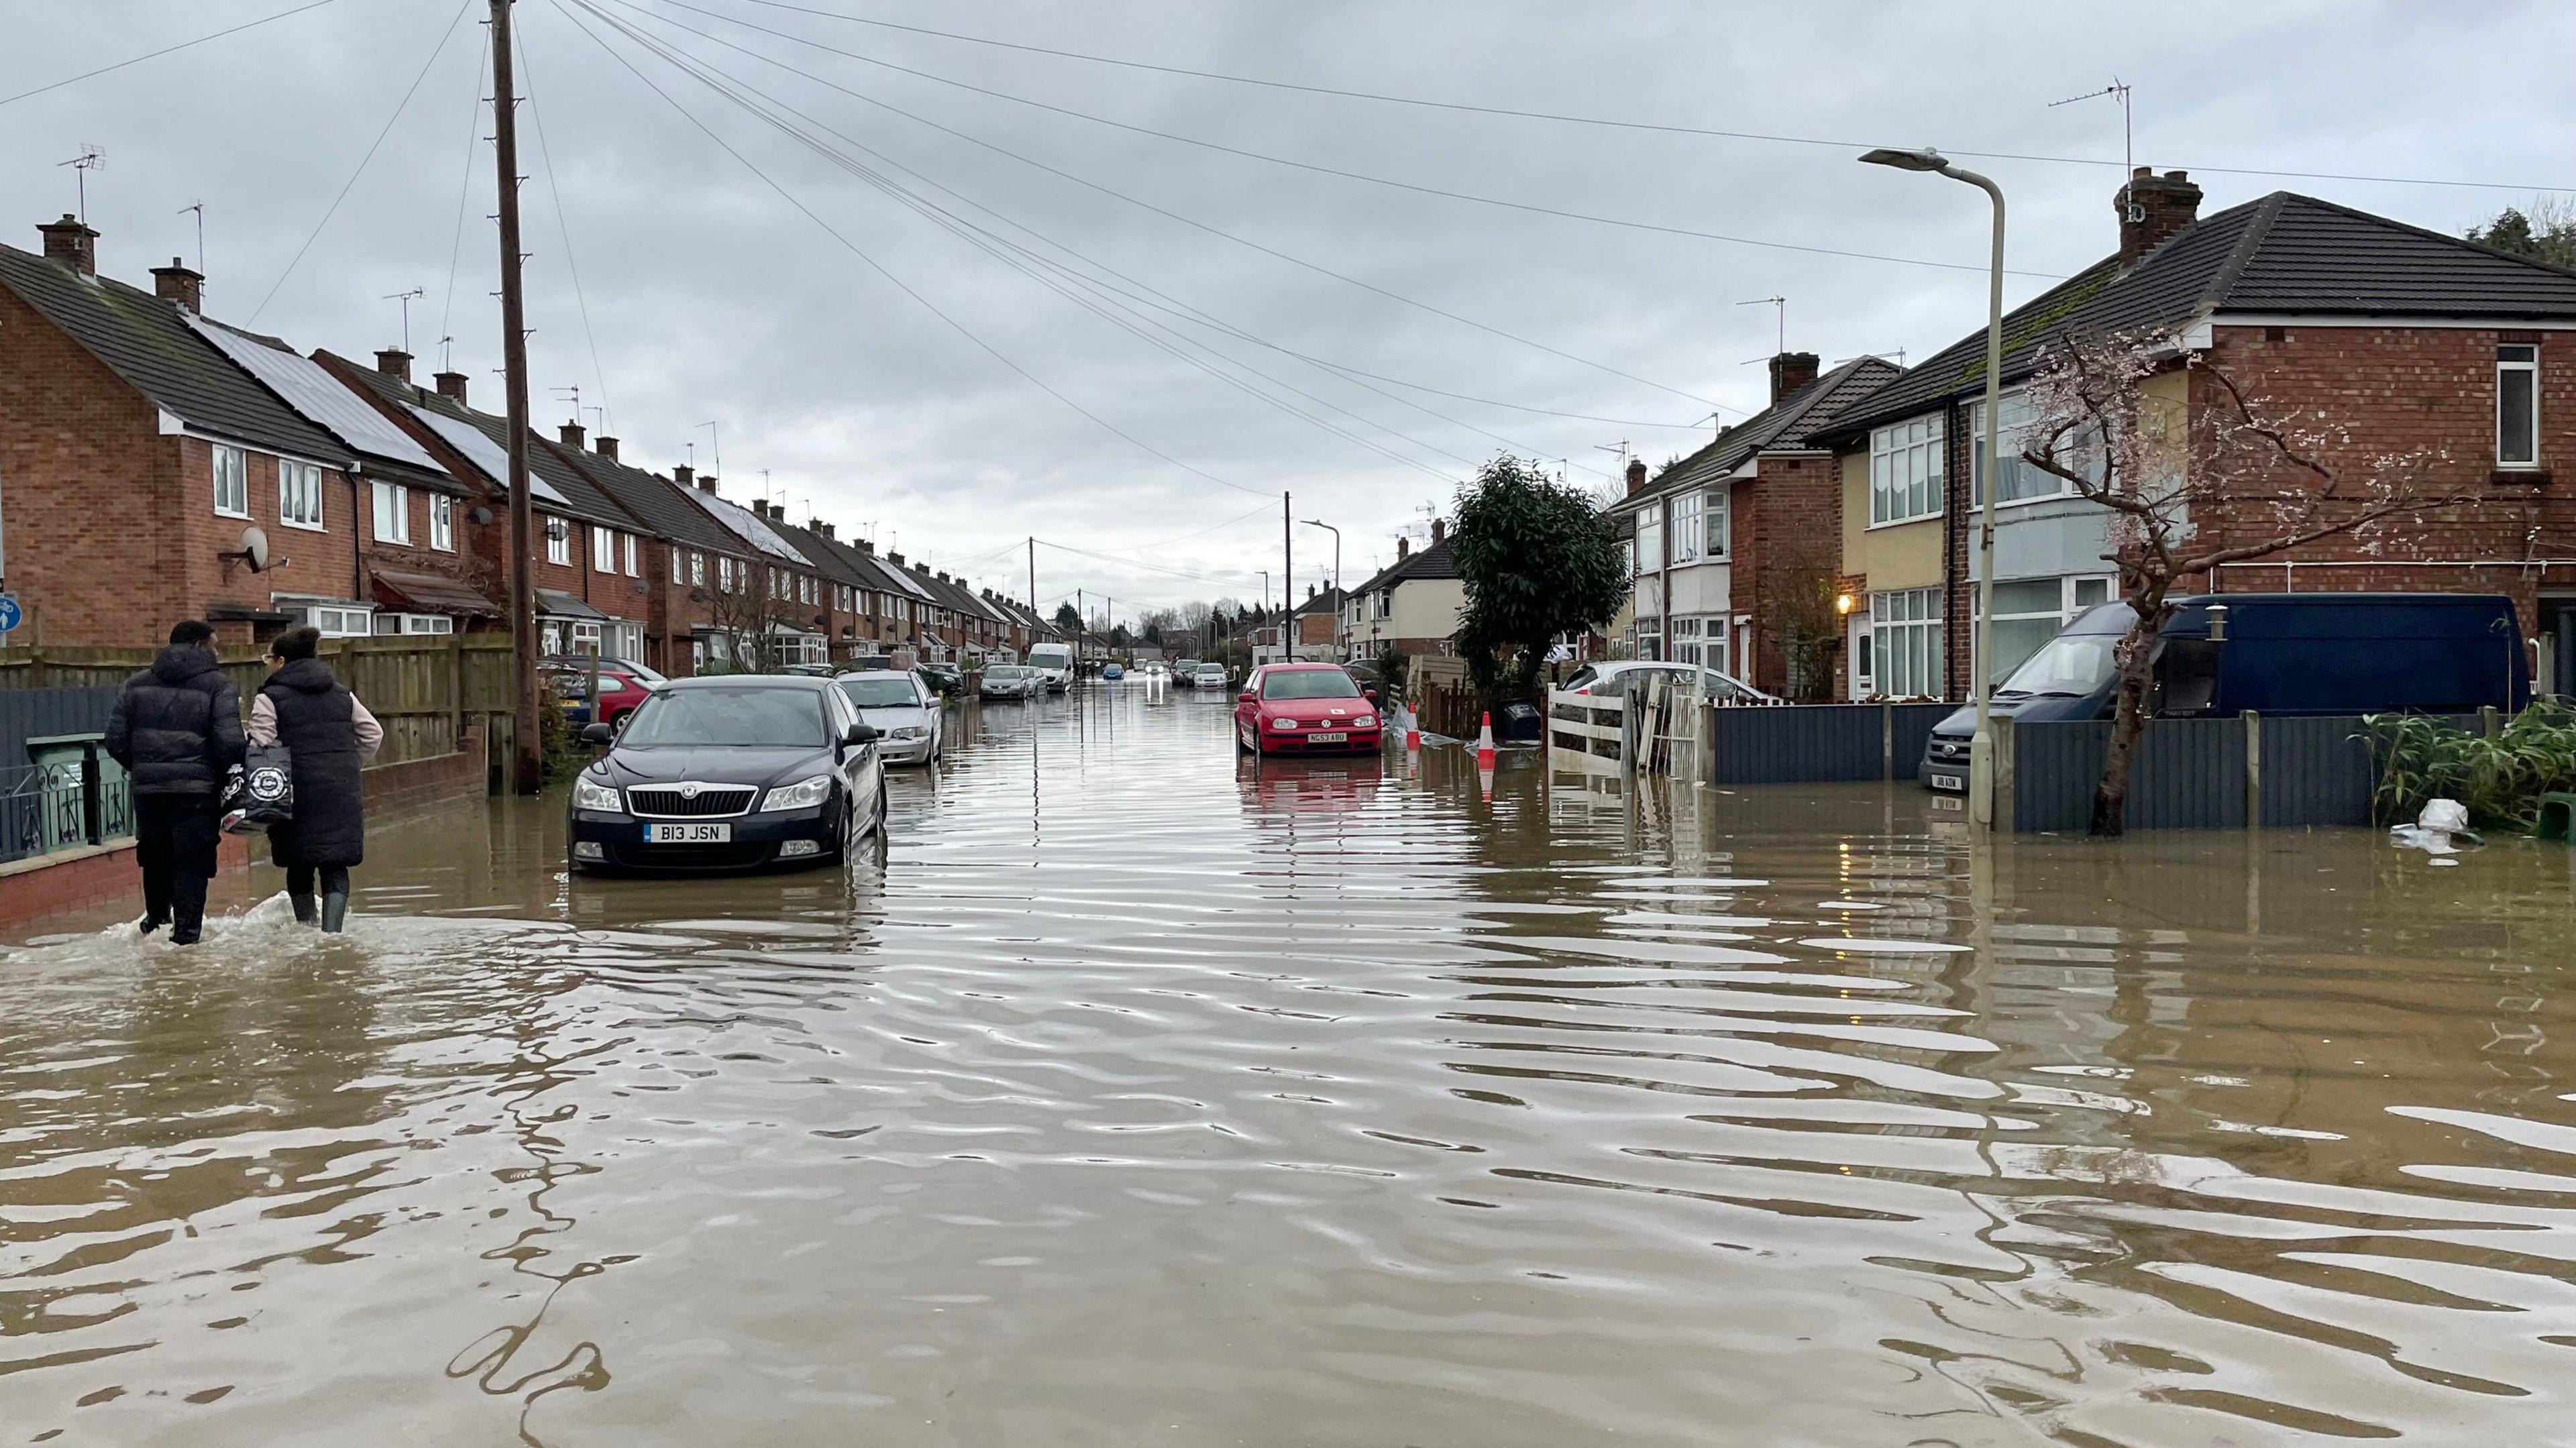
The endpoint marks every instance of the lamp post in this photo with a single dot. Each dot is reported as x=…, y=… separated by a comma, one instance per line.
x=1981, y=747
x=1338, y=600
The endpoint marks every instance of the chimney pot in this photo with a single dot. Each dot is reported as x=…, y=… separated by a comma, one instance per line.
x=1791, y=371
x=2152, y=210
x=451, y=384
x=1439, y=531
x=72, y=244
x=1636, y=474
x=394, y=363
x=571, y=433
x=606, y=447
x=178, y=283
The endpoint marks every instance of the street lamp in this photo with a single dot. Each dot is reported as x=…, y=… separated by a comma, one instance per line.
x=1981, y=747
x=1337, y=577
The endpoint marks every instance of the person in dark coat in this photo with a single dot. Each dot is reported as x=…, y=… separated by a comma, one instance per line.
x=328, y=736
x=177, y=729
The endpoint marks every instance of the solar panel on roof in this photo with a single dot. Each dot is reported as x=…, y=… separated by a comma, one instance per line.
x=755, y=532
x=319, y=397
x=482, y=452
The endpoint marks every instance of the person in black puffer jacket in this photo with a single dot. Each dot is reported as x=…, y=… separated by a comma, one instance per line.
x=177, y=729
x=329, y=736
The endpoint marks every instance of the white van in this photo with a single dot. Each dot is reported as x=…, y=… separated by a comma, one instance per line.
x=1054, y=663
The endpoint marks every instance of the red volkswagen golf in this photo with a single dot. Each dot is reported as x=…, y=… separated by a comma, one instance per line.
x=1304, y=709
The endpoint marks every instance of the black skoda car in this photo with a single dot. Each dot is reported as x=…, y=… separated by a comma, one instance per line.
x=729, y=773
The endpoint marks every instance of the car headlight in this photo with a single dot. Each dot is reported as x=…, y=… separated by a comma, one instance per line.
x=1365, y=721
x=1283, y=723
x=803, y=794
x=912, y=731
x=589, y=794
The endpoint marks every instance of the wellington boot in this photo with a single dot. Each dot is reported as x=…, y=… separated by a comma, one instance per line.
x=304, y=914
x=335, y=911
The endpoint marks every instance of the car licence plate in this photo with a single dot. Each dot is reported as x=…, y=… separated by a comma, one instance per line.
x=1950, y=781
x=1328, y=739
x=688, y=834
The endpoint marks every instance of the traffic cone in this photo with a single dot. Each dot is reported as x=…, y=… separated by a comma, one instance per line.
x=1485, y=741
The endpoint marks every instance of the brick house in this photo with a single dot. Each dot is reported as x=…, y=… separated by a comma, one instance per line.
x=134, y=456
x=2393, y=337
x=686, y=548
x=1734, y=548
x=590, y=552
x=776, y=595
x=849, y=583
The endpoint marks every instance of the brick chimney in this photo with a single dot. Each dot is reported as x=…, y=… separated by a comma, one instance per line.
x=867, y=546
x=706, y=482
x=895, y=558
x=1403, y=549
x=825, y=529
x=683, y=474
x=571, y=433
x=2152, y=208
x=177, y=283
x=72, y=244
x=1791, y=371
x=605, y=446
x=1439, y=532
x=395, y=364
x=1636, y=474
x=451, y=384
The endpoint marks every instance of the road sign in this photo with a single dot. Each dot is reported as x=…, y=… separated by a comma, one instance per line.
x=10, y=615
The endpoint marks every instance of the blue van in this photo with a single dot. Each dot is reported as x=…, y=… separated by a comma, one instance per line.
x=2275, y=653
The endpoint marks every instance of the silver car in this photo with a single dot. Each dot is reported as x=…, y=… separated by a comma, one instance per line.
x=904, y=710
x=1012, y=681
x=1208, y=676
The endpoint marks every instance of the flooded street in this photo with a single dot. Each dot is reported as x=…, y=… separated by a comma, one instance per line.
x=1141, y=1096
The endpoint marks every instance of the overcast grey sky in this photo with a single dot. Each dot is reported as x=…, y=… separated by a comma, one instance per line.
x=713, y=296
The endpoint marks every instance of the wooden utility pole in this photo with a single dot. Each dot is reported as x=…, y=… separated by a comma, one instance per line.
x=1033, y=581
x=527, y=763
x=1287, y=567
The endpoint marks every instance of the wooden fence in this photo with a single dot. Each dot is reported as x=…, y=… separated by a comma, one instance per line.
x=425, y=690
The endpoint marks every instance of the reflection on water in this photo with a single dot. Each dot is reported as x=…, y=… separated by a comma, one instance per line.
x=1146, y=1093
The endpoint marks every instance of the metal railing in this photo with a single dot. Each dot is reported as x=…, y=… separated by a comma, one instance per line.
x=76, y=796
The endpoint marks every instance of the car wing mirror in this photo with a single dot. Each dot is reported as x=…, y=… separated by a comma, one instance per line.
x=598, y=734
x=861, y=733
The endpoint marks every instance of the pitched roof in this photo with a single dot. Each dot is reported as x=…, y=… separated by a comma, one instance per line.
x=553, y=481
x=740, y=521
x=831, y=558
x=384, y=450
x=1785, y=423
x=2284, y=253
x=654, y=499
x=1327, y=600
x=1431, y=562
x=148, y=342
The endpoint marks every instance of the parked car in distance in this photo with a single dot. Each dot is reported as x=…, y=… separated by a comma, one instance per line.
x=1053, y=664
x=1304, y=709
x=869, y=664
x=619, y=690
x=900, y=705
x=1212, y=676
x=1012, y=681
x=1113, y=672
x=809, y=671
x=729, y=773
x=629, y=667
x=1185, y=673
x=2274, y=653
x=943, y=677
x=1372, y=682
x=1614, y=675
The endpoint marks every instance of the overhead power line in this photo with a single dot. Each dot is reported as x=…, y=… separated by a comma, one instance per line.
x=403, y=105
x=1608, y=122
x=1220, y=233
x=563, y=227
x=165, y=50
x=874, y=265
x=1532, y=208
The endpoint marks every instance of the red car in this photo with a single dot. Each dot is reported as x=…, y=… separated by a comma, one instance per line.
x=622, y=686
x=1304, y=709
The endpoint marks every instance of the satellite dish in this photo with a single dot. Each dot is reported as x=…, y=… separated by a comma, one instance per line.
x=252, y=553
x=479, y=516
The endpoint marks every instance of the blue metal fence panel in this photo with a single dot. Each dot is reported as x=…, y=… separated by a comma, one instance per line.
x=2190, y=775
x=46, y=809
x=2055, y=767
x=39, y=713
x=2316, y=771
x=1818, y=743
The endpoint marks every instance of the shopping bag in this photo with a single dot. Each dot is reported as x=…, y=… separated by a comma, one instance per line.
x=260, y=791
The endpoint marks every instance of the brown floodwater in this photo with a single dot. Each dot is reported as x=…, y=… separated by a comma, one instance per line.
x=1139, y=1095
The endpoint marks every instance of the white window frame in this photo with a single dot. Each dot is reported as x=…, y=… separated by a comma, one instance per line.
x=1717, y=522
x=413, y=624
x=1685, y=528
x=1907, y=643
x=697, y=569
x=2523, y=362
x=231, y=482
x=1650, y=539
x=603, y=549
x=1905, y=471
x=333, y=620
x=300, y=485
x=392, y=510
x=558, y=533
x=442, y=523
x=634, y=567
x=2083, y=444
x=2071, y=600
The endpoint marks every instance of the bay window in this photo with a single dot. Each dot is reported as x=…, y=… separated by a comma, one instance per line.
x=1905, y=642
x=1905, y=470
x=1686, y=528
x=1650, y=539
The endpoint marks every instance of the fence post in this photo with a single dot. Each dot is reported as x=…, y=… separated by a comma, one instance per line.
x=2253, y=770
x=2490, y=721
x=2006, y=769
x=1886, y=742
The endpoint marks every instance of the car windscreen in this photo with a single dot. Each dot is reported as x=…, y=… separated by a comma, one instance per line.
x=751, y=718
x=2072, y=664
x=881, y=693
x=1310, y=684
